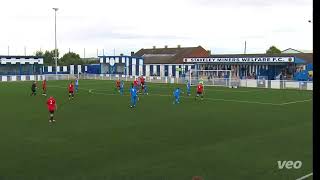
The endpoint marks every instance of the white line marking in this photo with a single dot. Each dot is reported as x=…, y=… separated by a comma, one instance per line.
x=161, y=85
x=306, y=176
x=293, y=102
x=233, y=100
x=212, y=99
x=251, y=102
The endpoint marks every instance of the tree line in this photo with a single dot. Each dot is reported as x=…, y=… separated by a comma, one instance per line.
x=69, y=58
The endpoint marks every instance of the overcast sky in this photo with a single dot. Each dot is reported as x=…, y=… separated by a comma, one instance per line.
x=221, y=26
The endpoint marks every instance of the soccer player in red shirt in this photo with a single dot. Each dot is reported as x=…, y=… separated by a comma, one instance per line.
x=52, y=106
x=135, y=84
x=199, y=91
x=118, y=85
x=71, y=90
x=44, y=87
x=142, y=83
x=142, y=80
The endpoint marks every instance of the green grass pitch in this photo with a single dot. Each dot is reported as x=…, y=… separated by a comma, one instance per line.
x=231, y=134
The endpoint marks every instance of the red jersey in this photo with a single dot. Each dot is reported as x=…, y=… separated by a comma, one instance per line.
x=44, y=84
x=70, y=87
x=135, y=83
x=142, y=80
x=200, y=88
x=118, y=83
x=51, y=103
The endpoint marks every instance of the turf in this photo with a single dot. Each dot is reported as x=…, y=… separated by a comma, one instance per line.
x=231, y=134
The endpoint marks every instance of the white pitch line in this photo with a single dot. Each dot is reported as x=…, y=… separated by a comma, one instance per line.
x=240, y=101
x=294, y=102
x=160, y=85
x=212, y=99
x=304, y=177
x=222, y=90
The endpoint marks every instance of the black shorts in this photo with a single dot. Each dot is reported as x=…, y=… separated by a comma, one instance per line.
x=199, y=93
x=51, y=112
x=33, y=90
x=70, y=92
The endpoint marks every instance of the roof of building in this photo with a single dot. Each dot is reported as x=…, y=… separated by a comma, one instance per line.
x=170, y=55
x=20, y=57
x=291, y=50
x=308, y=57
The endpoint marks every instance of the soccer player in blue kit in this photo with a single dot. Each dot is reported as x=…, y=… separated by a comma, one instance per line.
x=134, y=96
x=176, y=94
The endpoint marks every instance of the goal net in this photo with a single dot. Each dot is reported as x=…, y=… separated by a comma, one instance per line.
x=213, y=78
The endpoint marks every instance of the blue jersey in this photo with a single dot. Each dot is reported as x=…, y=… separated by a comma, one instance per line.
x=177, y=92
x=77, y=82
x=133, y=92
x=188, y=86
x=121, y=85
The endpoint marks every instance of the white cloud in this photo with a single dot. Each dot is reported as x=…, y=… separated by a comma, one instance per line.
x=126, y=25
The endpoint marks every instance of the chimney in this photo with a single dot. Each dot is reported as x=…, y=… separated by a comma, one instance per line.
x=121, y=54
x=209, y=52
x=179, y=46
x=154, y=47
x=132, y=53
x=166, y=46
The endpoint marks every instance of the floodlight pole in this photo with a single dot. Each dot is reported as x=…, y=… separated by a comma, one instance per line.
x=55, y=39
x=245, y=47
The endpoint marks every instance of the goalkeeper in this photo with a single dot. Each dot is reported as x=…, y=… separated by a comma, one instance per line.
x=201, y=81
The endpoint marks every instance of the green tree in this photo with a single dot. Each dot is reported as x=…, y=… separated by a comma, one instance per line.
x=67, y=59
x=71, y=58
x=39, y=53
x=48, y=57
x=273, y=50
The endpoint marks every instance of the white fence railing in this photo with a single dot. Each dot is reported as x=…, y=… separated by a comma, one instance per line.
x=254, y=83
